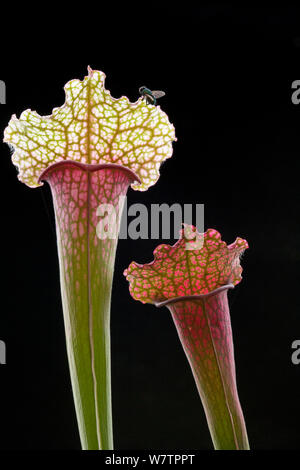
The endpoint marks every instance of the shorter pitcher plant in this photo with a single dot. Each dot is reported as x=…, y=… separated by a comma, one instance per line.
x=192, y=279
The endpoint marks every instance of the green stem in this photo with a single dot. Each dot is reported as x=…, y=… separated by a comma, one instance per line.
x=86, y=263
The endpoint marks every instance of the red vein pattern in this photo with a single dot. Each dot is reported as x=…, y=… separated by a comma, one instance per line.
x=178, y=270
x=192, y=278
x=86, y=272
x=204, y=328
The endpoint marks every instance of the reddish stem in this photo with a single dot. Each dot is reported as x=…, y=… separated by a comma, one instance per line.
x=204, y=328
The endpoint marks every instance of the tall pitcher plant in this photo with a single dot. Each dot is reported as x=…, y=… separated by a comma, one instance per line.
x=89, y=151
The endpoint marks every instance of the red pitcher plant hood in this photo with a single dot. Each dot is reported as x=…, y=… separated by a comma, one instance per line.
x=192, y=278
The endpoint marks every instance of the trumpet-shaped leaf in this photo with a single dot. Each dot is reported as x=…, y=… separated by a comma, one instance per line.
x=191, y=278
x=89, y=151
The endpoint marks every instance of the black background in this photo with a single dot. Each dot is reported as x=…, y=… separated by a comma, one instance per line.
x=227, y=72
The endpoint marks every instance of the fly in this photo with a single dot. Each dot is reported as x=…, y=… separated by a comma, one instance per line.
x=151, y=96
